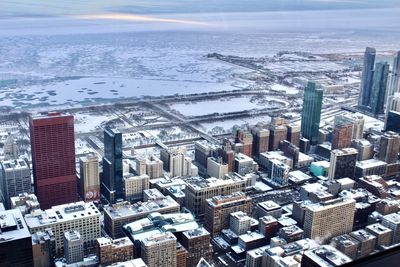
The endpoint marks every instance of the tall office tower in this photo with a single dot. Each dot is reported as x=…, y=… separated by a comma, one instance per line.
x=379, y=87
x=328, y=219
x=246, y=138
x=392, y=122
x=365, y=149
x=358, y=124
x=198, y=190
x=342, y=133
x=197, y=244
x=293, y=134
x=217, y=168
x=152, y=166
x=278, y=133
x=278, y=172
x=112, y=184
x=10, y=149
x=80, y=216
x=16, y=177
x=73, y=246
x=176, y=162
x=43, y=245
x=202, y=151
x=389, y=147
x=159, y=250
x=291, y=151
x=342, y=163
x=15, y=240
x=220, y=207
x=394, y=83
x=89, y=178
x=367, y=77
x=227, y=154
x=311, y=114
x=53, y=159
x=260, y=140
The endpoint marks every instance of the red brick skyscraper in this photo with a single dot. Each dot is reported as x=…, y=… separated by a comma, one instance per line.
x=53, y=159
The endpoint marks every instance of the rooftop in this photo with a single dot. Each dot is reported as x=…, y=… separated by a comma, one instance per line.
x=16, y=164
x=370, y=163
x=196, y=233
x=269, y=205
x=158, y=238
x=327, y=256
x=198, y=183
x=12, y=226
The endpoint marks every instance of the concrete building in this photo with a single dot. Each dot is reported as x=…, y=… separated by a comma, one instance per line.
x=367, y=242
x=217, y=168
x=268, y=226
x=15, y=240
x=89, y=180
x=239, y=222
x=342, y=133
x=202, y=151
x=10, y=149
x=244, y=164
x=220, y=207
x=389, y=147
x=270, y=208
x=197, y=244
x=291, y=233
x=327, y=219
x=110, y=251
x=365, y=149
x=264, y=158
x=278, y=132
x=151, y=166
x=324, y=256
x=80, y=216
x=198, y=190
x=370, y=167
x=135, y=185
x=15, y=179
x=260, y=140
x=181, y=255
x=246, y=139
x=278, y=172
x=73, y=246
x=342, y=163
x=115, y=216
x=294, y=134
x=43, y=248
x=25, y=202
x=392, y=221
x=383, y=234
x=347, y=245
x=159, y=250
x=176, y=163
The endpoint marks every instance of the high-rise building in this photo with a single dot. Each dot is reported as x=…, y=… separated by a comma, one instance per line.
x=159, y=250
x=202, y=151
x=81, y=216
x=198, y=190
x=278, y=132
x=365, y=149
x=328, y=219
x=260, y=140
x=43, y=246
x=176, y=162
x=392, y=122
x=216, y=167
x=151, y=166
x=220, y=207
x=294, y=133
x=379, y=87
x=342, y=133
x=15, y=240
x=311, y=114
x=239, y=222
x=389, y=147
x=89, y=178
x=197, y=244
x=135, y=185
x=16, y=179
x=73, y=246
x=245, y=138
x=342, y=163
x=227, y=154
x=367, y=77
x=53, y=159
x=244, y=164
x=181, y=255
x=112, y=183
x=110, y=251
x=278, y=172
x=10, y=149
x=394, y=84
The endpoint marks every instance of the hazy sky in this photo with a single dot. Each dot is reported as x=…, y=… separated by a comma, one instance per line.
x=77, y=7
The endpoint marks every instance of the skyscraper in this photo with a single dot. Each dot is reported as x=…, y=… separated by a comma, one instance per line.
x=112, y=183
x=159, y=250
x=389, y=147
x=367, y=77
x=73, y=246
x=342, y=133
x=53, y=159
x=311, y=114
x=342, y=163
x=394, y=84
x=89, y=178
x=379, y=86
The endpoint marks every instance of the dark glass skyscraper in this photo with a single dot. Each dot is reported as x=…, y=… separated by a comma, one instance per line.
x=311, y=114
x=379, y=86
x=112, y=184
x=53, y=159
x=394, y=85
x=367, y=76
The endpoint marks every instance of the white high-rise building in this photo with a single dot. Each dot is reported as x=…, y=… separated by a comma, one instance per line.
x=159, y=250
x=73, y=246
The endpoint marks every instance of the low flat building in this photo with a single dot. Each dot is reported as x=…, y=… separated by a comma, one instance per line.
x=370, y=167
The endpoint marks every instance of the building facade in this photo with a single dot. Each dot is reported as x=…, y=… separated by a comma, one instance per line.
x=311, y=114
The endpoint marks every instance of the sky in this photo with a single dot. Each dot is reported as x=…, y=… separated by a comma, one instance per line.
x=85, y=7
